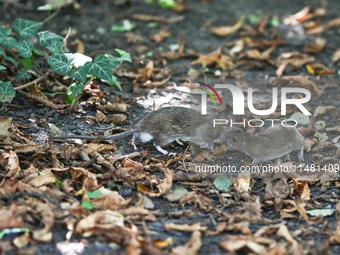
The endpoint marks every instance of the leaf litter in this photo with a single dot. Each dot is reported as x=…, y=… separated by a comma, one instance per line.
x=83, y=187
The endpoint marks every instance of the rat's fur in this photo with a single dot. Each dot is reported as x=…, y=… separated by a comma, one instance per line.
x=273, y=142
x=165, y=126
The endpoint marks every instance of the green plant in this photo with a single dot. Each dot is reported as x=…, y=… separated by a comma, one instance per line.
x=25, y=57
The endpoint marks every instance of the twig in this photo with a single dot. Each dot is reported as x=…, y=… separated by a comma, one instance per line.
x=65, y=40
x=33, y=82
x=184, y=159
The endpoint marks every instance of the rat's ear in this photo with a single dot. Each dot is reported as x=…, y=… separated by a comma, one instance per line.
x=244, y=139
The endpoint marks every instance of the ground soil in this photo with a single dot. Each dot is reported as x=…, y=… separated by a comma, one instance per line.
x=99, y=15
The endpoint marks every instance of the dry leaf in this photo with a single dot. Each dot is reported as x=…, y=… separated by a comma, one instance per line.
x=222, y=31
x=216, y=57
x=317, y=46
x=5, y=124
x=191, y=247
x=185, y=227
x=163, y=187
x=302, y=189
x=309, y=143
x=336, y=56
x=159, y=37
x=318, y=69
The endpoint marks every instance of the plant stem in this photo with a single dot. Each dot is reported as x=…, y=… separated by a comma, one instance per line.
x=52, y=15
x=32, y=82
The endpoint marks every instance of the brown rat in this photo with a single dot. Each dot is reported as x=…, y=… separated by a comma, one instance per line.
x=165, y=126
x=273, y=142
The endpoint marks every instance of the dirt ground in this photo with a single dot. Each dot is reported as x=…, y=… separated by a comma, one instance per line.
x=91, y=24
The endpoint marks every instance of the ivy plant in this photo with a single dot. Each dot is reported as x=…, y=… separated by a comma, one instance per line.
x=75, y=65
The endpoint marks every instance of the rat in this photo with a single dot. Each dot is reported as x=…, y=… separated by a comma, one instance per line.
x=273, y=142
x=167, y=125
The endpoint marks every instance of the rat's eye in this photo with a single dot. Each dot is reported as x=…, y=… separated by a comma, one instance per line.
x=234, y=140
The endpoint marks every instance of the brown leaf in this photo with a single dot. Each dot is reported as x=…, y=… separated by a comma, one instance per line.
x=318, y=69
x=336, y=55
x=317, y=46
x=163, y=187
x=239, y=242
x=320, y=110
x=10, y=162
x=159, y=37
x=302, y=189
x=309, y=143
x=209, y=59
x=155, y=84
x=291, y=61
x=105, y=218
x=198, y=200
x=191, y=247
x=185, y=227
x=222, y=31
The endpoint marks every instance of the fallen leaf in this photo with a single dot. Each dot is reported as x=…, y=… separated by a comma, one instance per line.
x=322, y=212
x=185, y=227
x=222, y=31
x=309, y=144
x=317, y=46
x=5, y=124
x=191, y=247
x=163, y=187
x=336, y=56
x=302, y=189
x=216, y=57
x=159, y=37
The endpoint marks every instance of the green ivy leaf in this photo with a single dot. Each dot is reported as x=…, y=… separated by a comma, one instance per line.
x=300, y=118
x=2, y=67
x=321, y=136
x=7, y=92
x=22, y=75
x=46, y=37
x=8, y=42
x=26, y=28
x=38, y=52
x=75, y=88
x=127, y=26
x=167, y=4
x=55, y=46
x=5, y=32
x=124, y=56
x=100, y=67
x=114, y=62
x=113, y=82
x=2, y=53
x=13, y=61
x=87, y=205
x=222, y=183
x=79, y=74
x=59, y=63
x=94, y=194
x=28, y=62
x=320, y=125
x=25, y=49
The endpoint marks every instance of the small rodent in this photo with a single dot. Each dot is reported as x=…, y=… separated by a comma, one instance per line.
x=273, y=142
x=165, y=126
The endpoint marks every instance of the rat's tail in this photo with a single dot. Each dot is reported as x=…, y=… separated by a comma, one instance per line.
x=118, y=136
